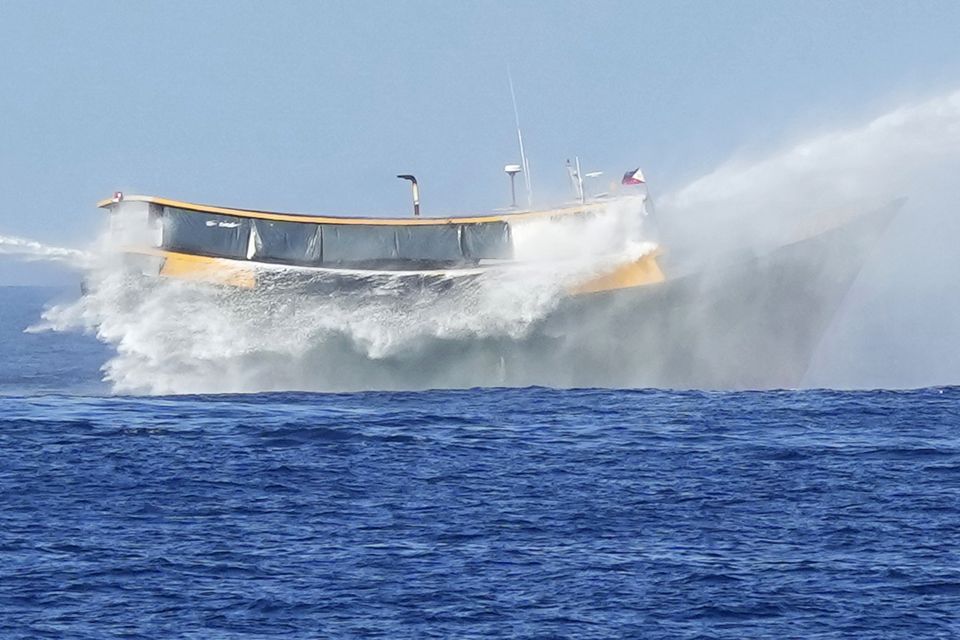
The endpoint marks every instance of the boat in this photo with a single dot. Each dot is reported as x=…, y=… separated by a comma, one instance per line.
x=332, y=254
x=743, y=321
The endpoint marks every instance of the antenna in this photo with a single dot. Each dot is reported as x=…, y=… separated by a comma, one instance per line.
x=576, y=180
x=523, y=156
x=580, y=182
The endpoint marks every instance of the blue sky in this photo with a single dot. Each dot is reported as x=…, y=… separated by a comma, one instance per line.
x=315, y=106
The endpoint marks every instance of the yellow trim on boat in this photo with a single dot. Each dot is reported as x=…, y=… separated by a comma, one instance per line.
x=293, y=217
x=224, y=271
x=634, y=274
x=204, y=269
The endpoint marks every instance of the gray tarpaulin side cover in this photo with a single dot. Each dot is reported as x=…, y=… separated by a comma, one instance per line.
x=287, y=242
x=205, y=233
x=487, y=240
x=312, y=244
x=434, y=243
x=358, y=243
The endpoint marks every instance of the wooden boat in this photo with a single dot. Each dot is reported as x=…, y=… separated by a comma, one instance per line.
x=244, y=248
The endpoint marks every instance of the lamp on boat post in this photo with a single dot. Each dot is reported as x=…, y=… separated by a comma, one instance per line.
x=512, y=170
x=416, y=192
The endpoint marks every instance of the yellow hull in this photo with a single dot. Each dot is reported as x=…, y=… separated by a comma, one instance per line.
x=234, y=273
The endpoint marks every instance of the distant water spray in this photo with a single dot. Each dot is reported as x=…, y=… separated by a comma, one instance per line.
x=886, y=335
x=758, y=203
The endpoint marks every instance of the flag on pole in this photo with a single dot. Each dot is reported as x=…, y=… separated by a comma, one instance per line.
x=633, y=177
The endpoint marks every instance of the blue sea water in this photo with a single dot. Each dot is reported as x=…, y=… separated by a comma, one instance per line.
x=527, y=513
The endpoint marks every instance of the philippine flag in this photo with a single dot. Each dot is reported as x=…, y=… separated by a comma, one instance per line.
x=633, y=177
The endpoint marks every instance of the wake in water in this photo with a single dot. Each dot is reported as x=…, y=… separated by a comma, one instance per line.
x=181, y=337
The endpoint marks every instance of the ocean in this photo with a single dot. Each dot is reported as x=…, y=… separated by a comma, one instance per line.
x=479, y=513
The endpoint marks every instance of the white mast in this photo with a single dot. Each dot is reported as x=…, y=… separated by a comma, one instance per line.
x=523, y=156
x=580, y=182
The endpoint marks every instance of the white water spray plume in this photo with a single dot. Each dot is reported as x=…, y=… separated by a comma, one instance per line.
x=183, y=337
x=892, y=156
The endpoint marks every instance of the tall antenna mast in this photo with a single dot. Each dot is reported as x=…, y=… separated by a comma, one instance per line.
x=523, y=156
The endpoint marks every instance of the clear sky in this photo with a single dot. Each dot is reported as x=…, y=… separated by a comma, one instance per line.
x=315, y=106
